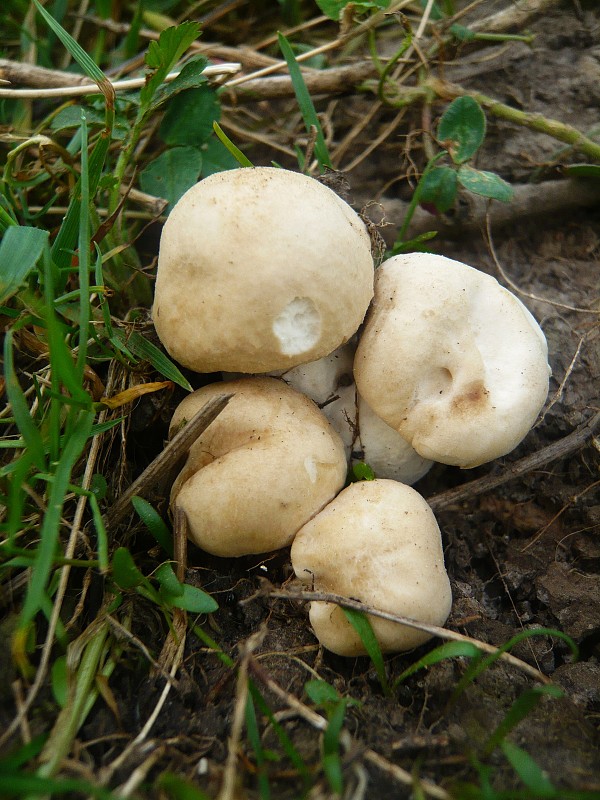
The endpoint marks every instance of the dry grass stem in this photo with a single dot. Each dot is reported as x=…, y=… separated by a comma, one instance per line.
x=163, y=463
x=215, y=71
x=434, y=630
x=564, y=447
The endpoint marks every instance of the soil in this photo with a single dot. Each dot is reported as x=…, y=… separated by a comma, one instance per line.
x=522, y=556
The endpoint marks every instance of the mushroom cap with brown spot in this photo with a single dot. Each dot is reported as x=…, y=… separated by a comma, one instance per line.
x=264, y=467
x=377, y=542
x=260, y=269
x=451, y=360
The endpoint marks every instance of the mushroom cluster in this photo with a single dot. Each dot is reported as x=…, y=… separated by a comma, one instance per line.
x=267, y=271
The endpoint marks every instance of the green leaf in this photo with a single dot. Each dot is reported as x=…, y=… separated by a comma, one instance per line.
x=20, y=249
x=462, y=128
x=532, y=775
x=418, y=244
x=125, y=572
x=307, y=109
x=193, y=600
x=322, y=693
x=162, y=56
x=177, y=788
x=191, y=77
x=60, y=688
x=255, y=740
x=439, y=188
x=70, y=117
x=169, y=582
x=441, y=653
x=360, y=623
x=135, y=343
x=155, y=524
x=583, y=171
x=284, y=739
x=487, y=184
x=171, y=174
x=190, y=116
x=235, y=151
x=334, y=8
x=362, y=472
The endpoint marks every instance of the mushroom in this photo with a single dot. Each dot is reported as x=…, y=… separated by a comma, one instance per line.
x=377, y=542
x=451, y=360
x=329, y=382
x=260, y=269
x=264, y=467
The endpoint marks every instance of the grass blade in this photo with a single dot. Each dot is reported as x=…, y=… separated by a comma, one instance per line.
x=42, y=565
x=155, y=523
x=307, y=109
x=235, y=151
x=444, y=651
x=528, y=771
x=25, y=424
x=522, y=706
x=264, y=788
x=145, y=350
x=360, y=623
x=86, y=63
x=20, y=249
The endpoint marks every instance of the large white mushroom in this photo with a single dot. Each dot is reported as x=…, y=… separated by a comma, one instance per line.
x=264, y=467
x=451, y=360
x=260, y=269
x=377, y=542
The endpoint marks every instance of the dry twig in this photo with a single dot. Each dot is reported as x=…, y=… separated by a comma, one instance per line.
x=563, y=447
x=163, y=463
x=434, y=630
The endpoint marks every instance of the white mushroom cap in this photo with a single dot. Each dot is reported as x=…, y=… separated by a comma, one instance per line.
x=330, y=383
x=264, y=467
x=377, y=542
x=260, y=269
x=451, y=360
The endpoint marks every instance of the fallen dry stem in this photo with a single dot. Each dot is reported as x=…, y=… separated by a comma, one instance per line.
x=434, y=630
x=530, y=200
x=83, y=88
x=444, y=501
x=162, y=464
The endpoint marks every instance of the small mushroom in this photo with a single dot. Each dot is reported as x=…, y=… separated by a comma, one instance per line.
x=450, y=359
x=330, y=383
x=260, y=269
x=377, y=542
x=264, y=467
